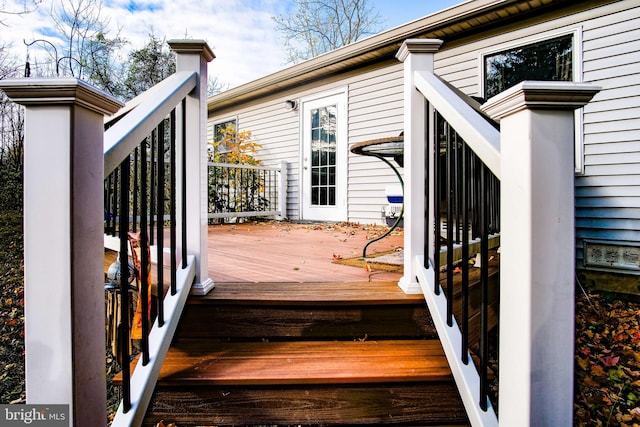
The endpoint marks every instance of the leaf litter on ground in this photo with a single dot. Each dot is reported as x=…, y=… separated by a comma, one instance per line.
x=607, y=356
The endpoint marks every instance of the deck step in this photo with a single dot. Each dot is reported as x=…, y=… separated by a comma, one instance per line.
x=318, y=362
x=415, y=404
x=310, y=293
x=319, y=382
x=307, y=311
x=280, y=354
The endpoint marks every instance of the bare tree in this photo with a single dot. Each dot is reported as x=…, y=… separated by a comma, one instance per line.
x=77, y=23
x=319, y=26
x=11, y=139
x=79, y=47
x=215, y=85
x=23, y=7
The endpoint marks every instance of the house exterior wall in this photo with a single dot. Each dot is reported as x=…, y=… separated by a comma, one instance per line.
x=374, y=111
x=608, y=194
x=607, y=53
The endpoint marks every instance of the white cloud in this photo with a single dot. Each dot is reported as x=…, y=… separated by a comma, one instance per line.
x=241, y=33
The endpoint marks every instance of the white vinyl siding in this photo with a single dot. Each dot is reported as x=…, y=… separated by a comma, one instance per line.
x=375, y=111
x=608, y=192
x=276, y=129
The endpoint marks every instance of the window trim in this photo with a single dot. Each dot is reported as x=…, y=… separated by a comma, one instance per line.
x=578, y=74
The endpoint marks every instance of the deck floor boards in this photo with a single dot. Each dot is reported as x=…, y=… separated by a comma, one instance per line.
x=285, y=252
x=289, y=252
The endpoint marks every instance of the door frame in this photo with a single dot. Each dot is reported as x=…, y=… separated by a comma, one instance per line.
x=339, y=212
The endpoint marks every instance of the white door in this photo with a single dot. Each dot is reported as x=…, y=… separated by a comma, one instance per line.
x=324, y=158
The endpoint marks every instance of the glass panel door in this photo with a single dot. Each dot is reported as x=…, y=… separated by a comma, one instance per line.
x=324, y=160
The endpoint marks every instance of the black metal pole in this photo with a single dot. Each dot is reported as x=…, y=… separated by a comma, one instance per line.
x=125, y=326
x=144, y=244
x=172, y=208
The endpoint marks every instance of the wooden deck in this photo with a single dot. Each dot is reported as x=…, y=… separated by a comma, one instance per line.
x=289, y=337
x=288, y=252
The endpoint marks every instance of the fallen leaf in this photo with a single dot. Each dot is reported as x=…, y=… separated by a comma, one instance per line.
x=610, y=360
x=590, y=382
x=583, y=363
x=598, y=371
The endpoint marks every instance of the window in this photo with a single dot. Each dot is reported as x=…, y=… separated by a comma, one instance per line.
x=219, y=131
x=323, y=155
x=546, y=60
x=557, y=58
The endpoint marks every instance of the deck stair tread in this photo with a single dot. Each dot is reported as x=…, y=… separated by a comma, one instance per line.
x=326, y=293
x=304, y=362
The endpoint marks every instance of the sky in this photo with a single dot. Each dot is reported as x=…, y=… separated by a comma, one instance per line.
x=241, y=33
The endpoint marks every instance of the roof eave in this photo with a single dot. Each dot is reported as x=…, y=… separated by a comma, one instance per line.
x=381, y=46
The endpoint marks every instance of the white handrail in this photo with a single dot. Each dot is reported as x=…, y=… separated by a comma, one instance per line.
x=477, y=132
x=484, y=140
x=133, y=103
x=242, y=166
x=122, y=138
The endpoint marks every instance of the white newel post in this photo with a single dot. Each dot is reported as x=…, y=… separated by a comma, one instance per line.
x=194, y=55
x=537, y=250
x=63, y=243
x=282, y=189
x=417, y=55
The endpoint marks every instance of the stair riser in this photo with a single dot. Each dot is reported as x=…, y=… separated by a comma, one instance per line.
x=249, y=322
x=418, y=404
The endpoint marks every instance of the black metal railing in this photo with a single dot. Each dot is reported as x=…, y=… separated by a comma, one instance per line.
x=467, y=216
x=140, y=208
x=243, y=190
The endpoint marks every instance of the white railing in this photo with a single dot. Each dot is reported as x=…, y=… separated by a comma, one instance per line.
x=168, y=102
x=237, y=190
x=121, y=138
x=533, y=156
x=64, y=238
